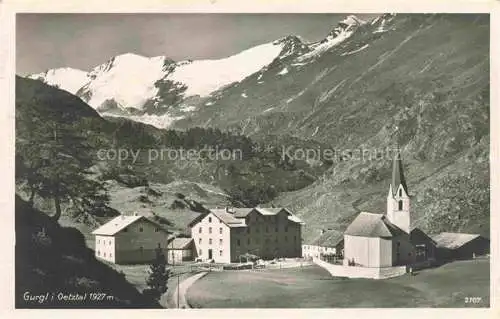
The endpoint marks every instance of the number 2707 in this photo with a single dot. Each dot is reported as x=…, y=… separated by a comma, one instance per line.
x=474, y=300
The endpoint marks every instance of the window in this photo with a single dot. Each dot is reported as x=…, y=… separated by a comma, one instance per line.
x=141, y=229
x=209, y=219
x=286, y=238
x=199, y=241
x=199, y=230
x=220, y=230
x=295, y=238
x=104, y=254
x=209, y=230
x=238, y=242
x=276, y=229
x=220, y=252
x=400, y=192
x=248, y=230
x=98, y=253
x=200, y=252
x=98, y=241
x=400, y=205
x=286, y=228
x=157, y=229
x=210, y=241
x=220, y=241
x=125, y=229
x=110, y=255
x=276, y=240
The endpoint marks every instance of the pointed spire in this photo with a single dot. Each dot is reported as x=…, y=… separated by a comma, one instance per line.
x=398, y=177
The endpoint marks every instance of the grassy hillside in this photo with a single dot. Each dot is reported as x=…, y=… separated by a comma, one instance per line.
x=53, y=260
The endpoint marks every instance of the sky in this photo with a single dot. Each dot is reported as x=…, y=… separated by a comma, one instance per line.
x=83, y=41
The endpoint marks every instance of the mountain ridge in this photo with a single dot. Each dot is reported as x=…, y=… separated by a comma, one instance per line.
x=161, y=84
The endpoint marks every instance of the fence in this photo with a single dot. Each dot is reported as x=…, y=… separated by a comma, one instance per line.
x=360, y=272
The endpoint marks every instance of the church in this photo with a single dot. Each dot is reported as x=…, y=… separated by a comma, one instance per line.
x=387, y=240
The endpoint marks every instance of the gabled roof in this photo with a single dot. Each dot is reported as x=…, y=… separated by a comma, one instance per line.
x=453, y=240
x=398, y=177
x=235, y=217
x=120, y=222
x=180, y=243
x=329, y=238
x=372, y=225
x=295, y=219
x=415, y=232
x=228, y=218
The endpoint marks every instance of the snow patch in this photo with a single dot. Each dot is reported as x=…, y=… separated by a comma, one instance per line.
x=268, y=110
x=284, y=71
x=325, y=45
x=158, y=121
x=244, y=95
x=355, y=51
x=209, y=103
x=187, y=108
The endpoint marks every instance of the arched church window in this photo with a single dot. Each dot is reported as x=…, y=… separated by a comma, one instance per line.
x=400, y=205
x=400, y=192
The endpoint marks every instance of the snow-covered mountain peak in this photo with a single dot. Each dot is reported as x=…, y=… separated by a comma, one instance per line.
x=203, y=77
x=352, y=20
x=68, y=79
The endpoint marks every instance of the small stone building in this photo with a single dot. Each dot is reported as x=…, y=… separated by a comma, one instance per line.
x=451, y=246
x=180, y=250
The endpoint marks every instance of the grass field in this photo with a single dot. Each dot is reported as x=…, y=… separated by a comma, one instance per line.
x=313, y=287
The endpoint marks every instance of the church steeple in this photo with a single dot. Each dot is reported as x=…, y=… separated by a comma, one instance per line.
x=398, y=199
x=398, y=177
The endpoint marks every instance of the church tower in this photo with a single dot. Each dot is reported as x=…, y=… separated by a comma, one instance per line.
x=398, y=200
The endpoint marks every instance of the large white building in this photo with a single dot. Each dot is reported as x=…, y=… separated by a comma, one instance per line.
x=225, y=235
x=129, y=240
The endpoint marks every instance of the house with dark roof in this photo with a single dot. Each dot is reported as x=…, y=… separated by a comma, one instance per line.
x=452, y=246
x=130, y=240
x=224, y=235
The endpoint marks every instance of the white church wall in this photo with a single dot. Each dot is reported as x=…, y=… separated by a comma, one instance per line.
x=364, y=250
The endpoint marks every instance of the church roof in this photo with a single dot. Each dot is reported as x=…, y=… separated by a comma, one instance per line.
x=372, y=225
x=398, y=177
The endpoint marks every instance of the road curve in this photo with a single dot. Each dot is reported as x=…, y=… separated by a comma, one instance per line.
x=180, y=292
